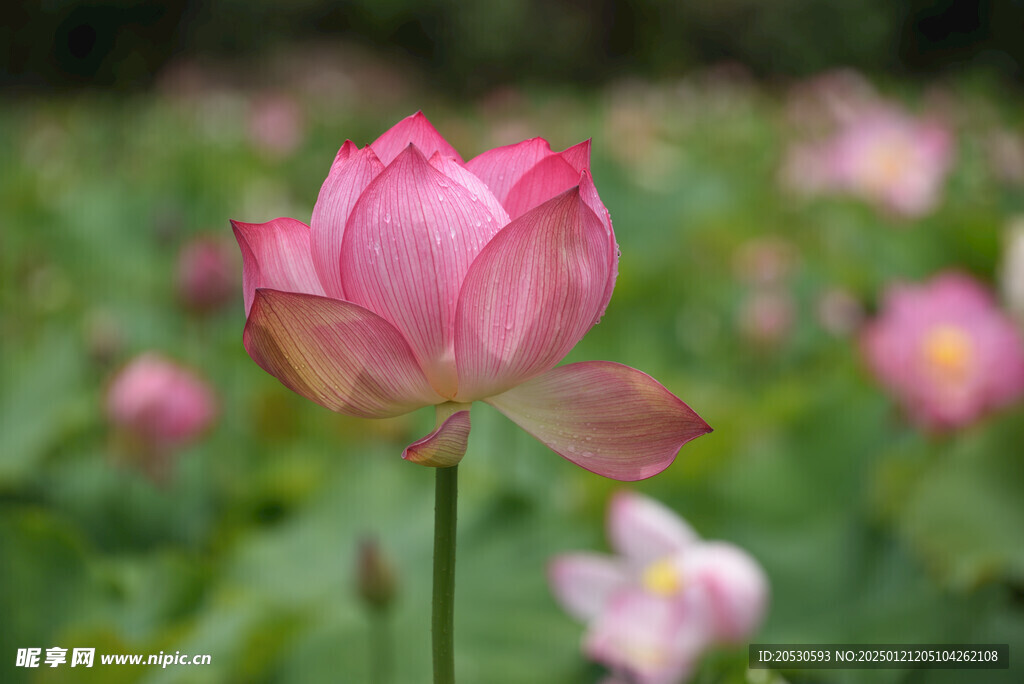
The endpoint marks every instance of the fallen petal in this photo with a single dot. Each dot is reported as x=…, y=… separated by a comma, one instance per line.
x=605, y=417
x=336, y=353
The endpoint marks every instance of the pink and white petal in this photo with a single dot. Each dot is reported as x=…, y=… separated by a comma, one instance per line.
x=645, y=531
x=335, y=353
x=445, y=446
x=649, y=639
x=502, y=167
x=583, y=583
x=733, y=585
x=412, y=130
x=276, y=255
x=477, y=188
x=352, y=171
x=531, y=295
x=578, y=156
x=408, y=244
x=549, y=177
x=610, y=419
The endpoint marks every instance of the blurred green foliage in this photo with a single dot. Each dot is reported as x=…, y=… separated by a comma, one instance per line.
x=868, y=530
x=473, y=46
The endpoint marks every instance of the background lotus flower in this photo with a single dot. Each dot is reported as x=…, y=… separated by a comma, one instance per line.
x=207, y=274
x=946, y=351
x=423, y=280
x=880, y=154
x=653, y=609
x=159, y=402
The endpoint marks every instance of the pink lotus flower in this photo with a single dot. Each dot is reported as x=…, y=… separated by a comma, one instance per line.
x=160, y=403
x=946, y=351
x=654, y=609
x=207, y=274
x=424, y=280
x=882, y=155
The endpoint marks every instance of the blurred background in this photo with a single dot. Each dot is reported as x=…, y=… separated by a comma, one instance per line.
x=773, y=170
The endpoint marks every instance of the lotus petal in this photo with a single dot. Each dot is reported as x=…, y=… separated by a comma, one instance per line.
x=605, y=417
x=446, y=445
x=645, y=531
x=531, y=295
x=414, y=130
x=584, y=583
x=408, y=245
x=335, y=353
x=352, y=171
x=276, y=255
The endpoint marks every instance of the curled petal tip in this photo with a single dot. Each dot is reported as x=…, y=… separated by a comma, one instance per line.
x=446, y=445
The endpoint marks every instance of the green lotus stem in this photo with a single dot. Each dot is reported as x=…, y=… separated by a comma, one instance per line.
x=445, y=506
x=380, y=647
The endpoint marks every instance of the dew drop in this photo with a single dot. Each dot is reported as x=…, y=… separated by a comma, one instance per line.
x=387, y=217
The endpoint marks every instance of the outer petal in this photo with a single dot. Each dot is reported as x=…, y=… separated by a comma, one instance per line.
x=415, y=130
x=583, y=583
x=408, y=244
x=446, y=445
x=276, y=255
x=530, y=296
x=502, y=167
x=338, y=354
x=644, y=530
x=608, y=418
x=352, y=171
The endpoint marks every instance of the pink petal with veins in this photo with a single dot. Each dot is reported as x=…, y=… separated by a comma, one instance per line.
x=530, y=296
x=338, y=354
x=276, y=255
x=408, y=244
x=412, y=130
x=608, y=418
x=352, y=171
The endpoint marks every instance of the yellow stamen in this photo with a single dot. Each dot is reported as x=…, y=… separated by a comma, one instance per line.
x=662, y=578
x=949, y=352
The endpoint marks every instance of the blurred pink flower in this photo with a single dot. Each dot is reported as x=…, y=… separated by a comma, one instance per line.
x=424, y=280
x=655, y=608
x=945, y=350
x=207, y=276
x=883, y=156
x=767, y=316
x=276, y=124
x=160, y=403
